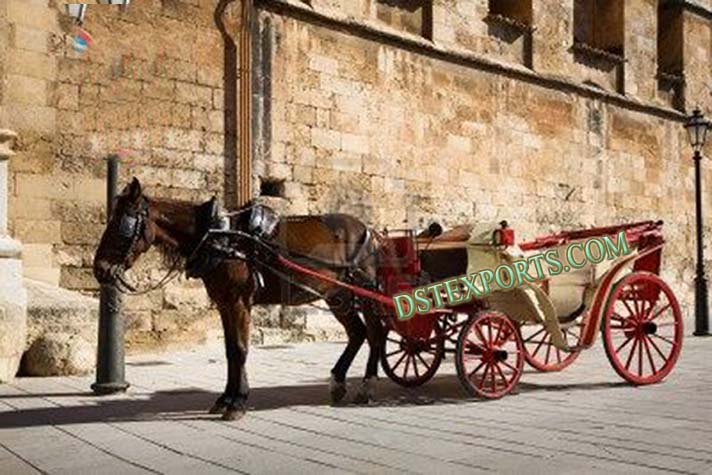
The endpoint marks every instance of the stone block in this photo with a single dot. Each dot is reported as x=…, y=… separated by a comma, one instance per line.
x=179, y=139
x=172, y=68
x=31, y=15
x=26, y=90
x=48, y=275
x=326, y=139
x=59, y=354
x=31, y=64
x=29, y=39
x=160, y=88
x=37, y=255
x=122, y=90
x=181, y=324
x=31, y=231
x=212, y=77
x=344, y=87
x=36, y=209
x=78, y=278
x=218, y=99
x=138, y=321
x=78, y=212
x=266, y=316
x=355, y=143
x=30, y=118
x=81, y=233
x=194, y=179
x=324, y=64
x=215, y=144
x=66, y=96
x=73, y=254
x=303, y=174
x=62, y=330
x=207, y=162
x=193, y=94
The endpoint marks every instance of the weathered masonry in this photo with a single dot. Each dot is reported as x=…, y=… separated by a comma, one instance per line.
x=545, y=113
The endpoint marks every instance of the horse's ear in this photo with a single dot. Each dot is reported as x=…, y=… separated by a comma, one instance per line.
x=134, y=189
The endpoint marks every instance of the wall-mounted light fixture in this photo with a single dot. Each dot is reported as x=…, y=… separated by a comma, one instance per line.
x=76, y=11
x=123, y=3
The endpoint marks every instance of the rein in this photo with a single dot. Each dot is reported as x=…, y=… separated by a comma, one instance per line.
x=128, y=289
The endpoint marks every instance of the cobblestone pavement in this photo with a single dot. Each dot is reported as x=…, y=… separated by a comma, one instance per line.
x=583, y=420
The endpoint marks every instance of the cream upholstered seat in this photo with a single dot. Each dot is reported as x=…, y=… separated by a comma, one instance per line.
x=565, y=292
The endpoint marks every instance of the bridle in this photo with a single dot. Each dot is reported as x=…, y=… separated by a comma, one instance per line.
x=131, y=228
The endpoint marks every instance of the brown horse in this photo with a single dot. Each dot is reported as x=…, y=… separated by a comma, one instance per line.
x=337, y=245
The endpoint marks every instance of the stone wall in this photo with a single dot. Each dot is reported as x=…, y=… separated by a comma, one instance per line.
x=400, y=134
x=151, y=84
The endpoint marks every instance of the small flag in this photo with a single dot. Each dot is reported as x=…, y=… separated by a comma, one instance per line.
x=82, y=40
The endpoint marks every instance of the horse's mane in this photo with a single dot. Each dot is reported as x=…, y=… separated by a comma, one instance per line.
x=182, y=214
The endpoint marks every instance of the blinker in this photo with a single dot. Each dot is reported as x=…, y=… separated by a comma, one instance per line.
x=127, y=226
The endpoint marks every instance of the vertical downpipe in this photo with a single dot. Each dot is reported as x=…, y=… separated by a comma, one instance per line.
x=244, y=186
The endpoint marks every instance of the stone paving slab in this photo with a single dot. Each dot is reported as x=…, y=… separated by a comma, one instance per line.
x=582, y=420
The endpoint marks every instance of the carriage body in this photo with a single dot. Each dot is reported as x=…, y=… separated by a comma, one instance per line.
x=546, y=323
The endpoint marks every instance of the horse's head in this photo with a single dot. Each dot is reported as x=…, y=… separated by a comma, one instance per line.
x=129, y=233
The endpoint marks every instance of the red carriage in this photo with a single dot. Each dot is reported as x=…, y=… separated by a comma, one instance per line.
x=546, y=324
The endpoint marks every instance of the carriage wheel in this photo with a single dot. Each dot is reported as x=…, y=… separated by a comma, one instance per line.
x=642, y=330
x=540, y=352
x=490, y=355
x=409, y=361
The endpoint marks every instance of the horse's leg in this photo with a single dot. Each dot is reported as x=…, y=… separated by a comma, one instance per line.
x=237, y=403
x=229, y=334
x=342, y=307
x=376, y=335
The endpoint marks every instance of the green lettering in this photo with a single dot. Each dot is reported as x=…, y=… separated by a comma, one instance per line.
x=537, y=264
x=435, y=289
x=424, y=305
x=453, y=300
x=617, y=250
x=487, y=276
x=471, y=288
x=402, y=314
x=498, y=276
x=521, y=267
x=601, y=251
x=570, y=256
x=552, y=258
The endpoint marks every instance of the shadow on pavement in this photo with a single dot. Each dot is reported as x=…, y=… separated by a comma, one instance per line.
x=191, y=404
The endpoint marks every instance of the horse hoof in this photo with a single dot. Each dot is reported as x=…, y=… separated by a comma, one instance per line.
x=233, y=414
x=365, y=392
x=337, y=393
x=337, y=390
x=217, y=408
x=362, y=398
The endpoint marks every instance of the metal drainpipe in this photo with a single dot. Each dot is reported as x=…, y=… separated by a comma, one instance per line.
x=243, y=175
x=244, y=193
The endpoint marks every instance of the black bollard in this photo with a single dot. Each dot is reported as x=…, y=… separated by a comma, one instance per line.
x=110, y=349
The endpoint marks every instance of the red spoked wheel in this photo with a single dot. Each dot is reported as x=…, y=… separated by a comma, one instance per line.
x=642, y=329
x=540, y=352
x=412, y=361
x=490, y=355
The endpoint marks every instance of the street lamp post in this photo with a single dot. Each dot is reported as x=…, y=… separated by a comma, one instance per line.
x=697, y=128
